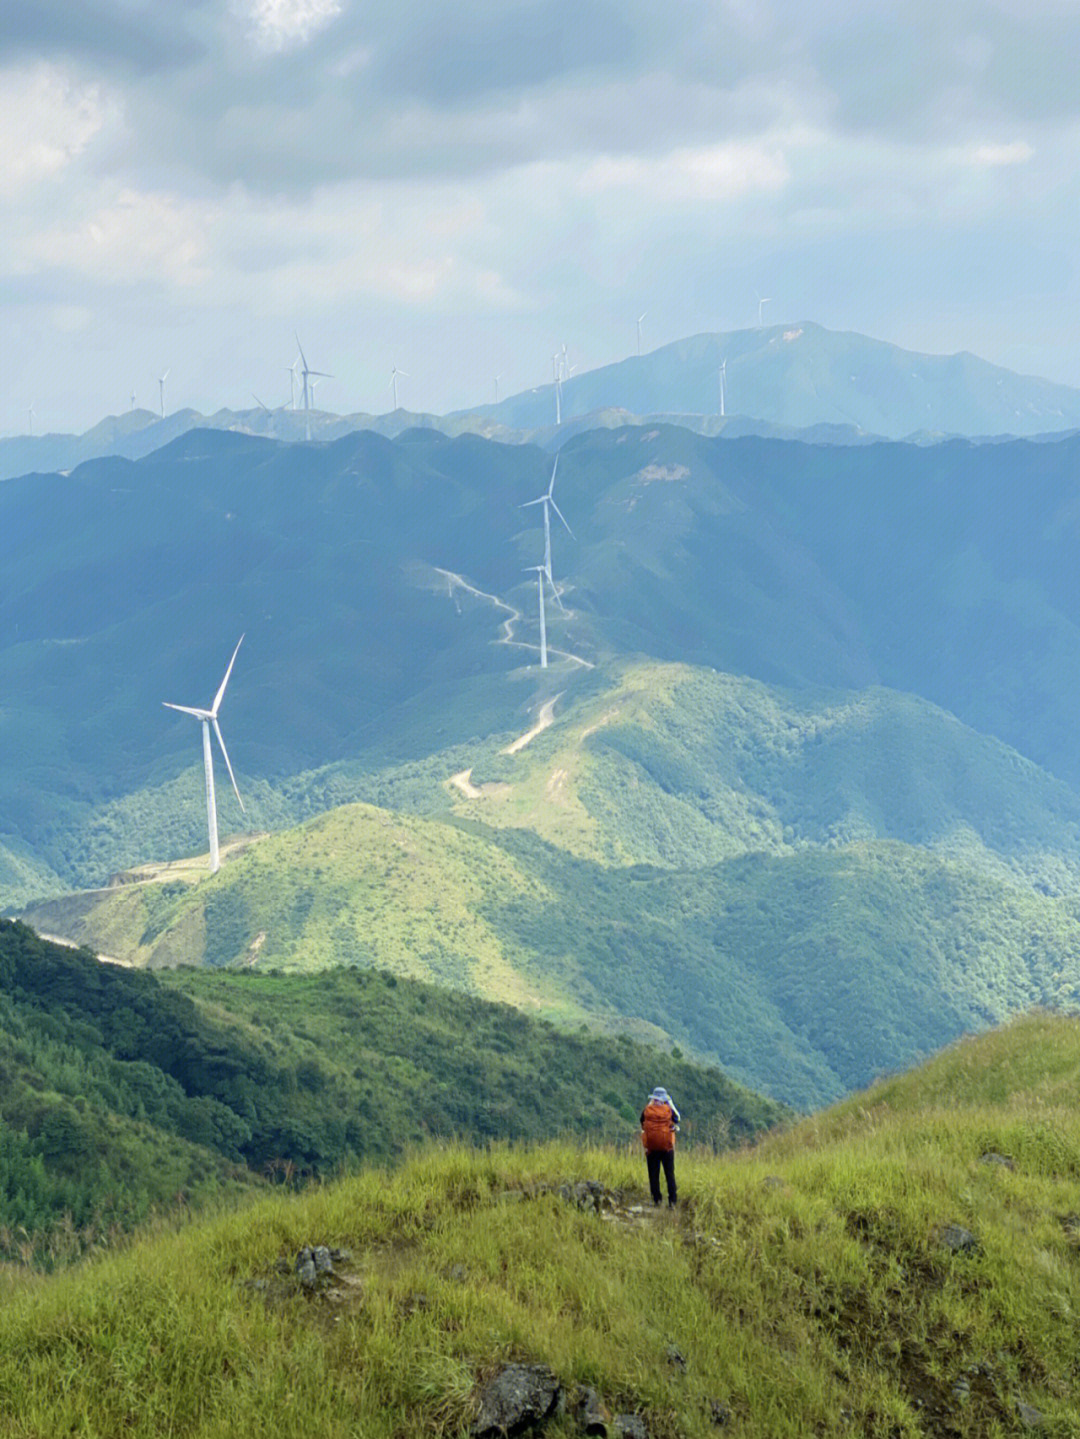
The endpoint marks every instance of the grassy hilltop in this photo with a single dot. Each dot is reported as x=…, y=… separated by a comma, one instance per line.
x=805, y=1286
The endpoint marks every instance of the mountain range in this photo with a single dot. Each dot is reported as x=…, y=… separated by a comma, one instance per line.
x=793, y=381
x=797, y=791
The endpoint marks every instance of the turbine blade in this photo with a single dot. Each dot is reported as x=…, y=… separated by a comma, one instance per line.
x=187, y=710
x=323, y=375
x=562, y=517
x=228, y=766
x=541, y=501
x=300, y=347
x=228, y=672
x=555, y=592
x=551, y=485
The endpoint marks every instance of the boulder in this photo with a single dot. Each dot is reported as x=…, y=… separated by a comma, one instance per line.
x=629, y=1426
x=590, y=1412
x=993, y=1158
x=959, y=1239
x=516, y=1399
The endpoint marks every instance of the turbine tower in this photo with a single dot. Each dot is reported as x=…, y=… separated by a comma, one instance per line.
x=161, y=390
x=30, y=416
x=723, y=372
x=208, y=718
x=558, y=388
x=639, y=320
x=761, y=303
x=306, y=375
x=543, y=622
x=547, y=499
x=496, y=389
x=393, y=381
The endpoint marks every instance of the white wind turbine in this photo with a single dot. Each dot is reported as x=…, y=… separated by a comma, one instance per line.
x=496, y=389
x=393, y=381
x=639, y=320
x=543, y=622
x=208, y=718
x=30, y=416
x=558, y=388
x=547, y=499
x=292, y=383
x=761, y=303
x=161, y=390
x=306, y=376
x=723, y=372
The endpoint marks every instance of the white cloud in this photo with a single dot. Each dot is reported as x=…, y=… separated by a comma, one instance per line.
x=47, y=119
x=280, y=24
x=1016, y=153
x=706, y=173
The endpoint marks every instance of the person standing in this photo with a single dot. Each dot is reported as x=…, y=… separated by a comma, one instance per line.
x=659, y=1121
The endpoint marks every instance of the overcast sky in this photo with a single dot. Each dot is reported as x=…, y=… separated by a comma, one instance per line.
x=459, y=189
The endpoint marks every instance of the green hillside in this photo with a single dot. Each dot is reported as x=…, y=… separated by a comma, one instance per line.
x=122, y=1094
x=806, y=889
x=379, y=581
x=901, y=1267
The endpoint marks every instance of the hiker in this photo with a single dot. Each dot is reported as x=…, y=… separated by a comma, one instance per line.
x=659, y=1121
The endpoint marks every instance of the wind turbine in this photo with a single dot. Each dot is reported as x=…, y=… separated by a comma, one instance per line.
x=558, y=388
x=723, y=371
x=639, y=320
x=547, y=499
x=30, y=415
x=208, y=718
x=133, y=399
x=161, y=388
x=761, y=303
x=543, y=623
x=393, y=381
x=306, y=375
x=292, y=383
x=496, y=389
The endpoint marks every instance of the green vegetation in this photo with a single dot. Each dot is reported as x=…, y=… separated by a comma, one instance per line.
x=121, y=1093
x=748, y=873
x=805, y=1284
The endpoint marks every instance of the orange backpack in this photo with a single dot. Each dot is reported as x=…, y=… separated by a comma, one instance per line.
x=657, y=1126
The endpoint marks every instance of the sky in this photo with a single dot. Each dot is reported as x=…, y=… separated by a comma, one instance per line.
x=460, y=190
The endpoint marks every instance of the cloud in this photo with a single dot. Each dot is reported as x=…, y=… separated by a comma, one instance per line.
x=278, y=24
x=47, y=120
x=1016, y=152
x=711, y=173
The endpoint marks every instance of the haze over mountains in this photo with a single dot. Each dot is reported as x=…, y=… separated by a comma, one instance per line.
x=798, y=789
x=779, y=380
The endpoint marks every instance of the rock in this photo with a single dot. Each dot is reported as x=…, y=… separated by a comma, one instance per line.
x=959, y=1239
x=341, y=1256
x=1029, y=1416
x=590, y=1412
x=518, y=1396
x=961, y=1389
x=589, y=1195
x=305, y=1268
x=321, y=1258
x=674, y=1357
x=1003, y=1159
x=773, y=1181
x=720, y=1413
x=457, y=1274
x=629, y=1426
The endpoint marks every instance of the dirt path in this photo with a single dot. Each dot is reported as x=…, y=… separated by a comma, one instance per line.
x=507, y=626
x=463, y=781
x=543, y=720
x=71, y=944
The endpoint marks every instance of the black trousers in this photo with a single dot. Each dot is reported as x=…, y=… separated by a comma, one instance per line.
x=654, y=1158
